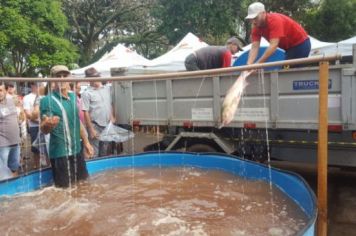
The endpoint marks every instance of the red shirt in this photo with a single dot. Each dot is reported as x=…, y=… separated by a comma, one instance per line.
x=213, y=57
x=289, y=32
x=226, y=59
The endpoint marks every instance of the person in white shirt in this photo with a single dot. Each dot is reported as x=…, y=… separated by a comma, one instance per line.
x=98, y=112
x=32, y=120
x=9, y=135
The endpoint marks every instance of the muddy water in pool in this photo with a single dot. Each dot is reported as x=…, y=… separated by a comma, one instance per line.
x=167, y=201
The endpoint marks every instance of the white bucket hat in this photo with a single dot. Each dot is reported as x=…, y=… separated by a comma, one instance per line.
x=254, y=9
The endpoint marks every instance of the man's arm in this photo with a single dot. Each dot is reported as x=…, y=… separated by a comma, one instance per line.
x=253, y=52
x=88, y=121
x=48, y=121
x=90, y=127
x=89, y=151
x=28, y=114
x=83, y=135
x=32, y=116
x=112, y=115
x=273, y=45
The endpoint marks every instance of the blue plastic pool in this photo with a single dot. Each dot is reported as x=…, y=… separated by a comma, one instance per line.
x=291, y=184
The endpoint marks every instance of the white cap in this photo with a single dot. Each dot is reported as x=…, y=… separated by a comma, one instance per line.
x=254, y=9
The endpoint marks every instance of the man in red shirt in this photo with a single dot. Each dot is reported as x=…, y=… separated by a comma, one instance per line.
x=280, y=30
x=213, y=57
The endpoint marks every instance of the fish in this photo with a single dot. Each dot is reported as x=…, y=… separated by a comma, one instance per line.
x=232, y=99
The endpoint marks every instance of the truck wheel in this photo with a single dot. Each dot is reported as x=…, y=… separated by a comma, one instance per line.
x=201, y=148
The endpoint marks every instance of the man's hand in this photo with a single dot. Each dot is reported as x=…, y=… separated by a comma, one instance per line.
x=53, y=120
x=89, y=150
x=48, y=123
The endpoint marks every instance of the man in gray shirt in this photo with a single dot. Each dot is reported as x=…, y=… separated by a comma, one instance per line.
x=98, y=112
x=9, y=133
x=213, y=57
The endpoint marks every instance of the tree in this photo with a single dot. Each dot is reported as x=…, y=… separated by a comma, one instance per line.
x=333, y=22
x=212, y=20
x=31, y=37
x=98, y=22
x=144, y=35
x=140, y=34
x=291, y=8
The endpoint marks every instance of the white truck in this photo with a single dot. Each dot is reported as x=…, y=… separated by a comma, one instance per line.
x=281, y=105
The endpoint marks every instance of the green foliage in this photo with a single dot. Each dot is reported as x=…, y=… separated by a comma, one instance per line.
x=333, y=22
x=135, y=29
x=97, y=22
x=152, y=26
x=31, y=37
x=292, y=8
x=297, y=10
x=212, y=20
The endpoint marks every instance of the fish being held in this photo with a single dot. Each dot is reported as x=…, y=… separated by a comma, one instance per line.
x=232, y=98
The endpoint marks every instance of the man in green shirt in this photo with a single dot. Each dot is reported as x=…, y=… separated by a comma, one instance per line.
x=59, y=117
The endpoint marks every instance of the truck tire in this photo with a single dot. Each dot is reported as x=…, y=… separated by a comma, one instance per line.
x=201, y=148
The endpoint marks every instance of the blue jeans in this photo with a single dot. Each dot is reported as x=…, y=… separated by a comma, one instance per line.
x=10, y=157
x=100, y=147
x=34, y=133
x=299, y=51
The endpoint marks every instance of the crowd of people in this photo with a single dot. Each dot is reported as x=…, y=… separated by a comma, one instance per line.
x=61, y=123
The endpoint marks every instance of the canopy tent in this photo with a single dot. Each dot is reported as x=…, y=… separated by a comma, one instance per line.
x=351, y=40
x=119, y=56
x=315, y=43
x=343, y=47
x=173, y=60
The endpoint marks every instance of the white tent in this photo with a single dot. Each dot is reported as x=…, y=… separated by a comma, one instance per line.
x=343, y=47
x=315, y=43
x=119, y=56
x=351, y=40
x=173, y=60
